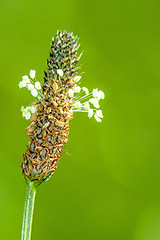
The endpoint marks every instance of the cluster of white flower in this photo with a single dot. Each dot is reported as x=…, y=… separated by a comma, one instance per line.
x=33, y=87
x=28, y=111
x=83, y=100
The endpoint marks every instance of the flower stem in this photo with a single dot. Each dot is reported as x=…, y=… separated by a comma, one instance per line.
x=28, y=211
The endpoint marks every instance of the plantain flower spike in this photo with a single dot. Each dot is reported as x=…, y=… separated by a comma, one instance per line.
x=55, y=101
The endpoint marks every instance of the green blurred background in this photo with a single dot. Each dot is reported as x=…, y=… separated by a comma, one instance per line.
x=109, y=187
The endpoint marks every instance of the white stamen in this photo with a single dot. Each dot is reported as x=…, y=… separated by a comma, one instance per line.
x=78, y=105
x=33, y=109
x=32, y=74
x=70, y=93
x=60, y=72
x=95, y=103
x=100, y=95
x=23, y=110
x=26, y=112
x=22, y=84
x=99, y=113
x=77, y=78
x=97, y=118
x=30, y=87
x=38, y=85
x=95, y=92
x=26, y=79
x=85, y=90
x=27, y=115
x=34, y=92
x=86, y=96
x=76, y=89
x=90, y=113
x=86, y=106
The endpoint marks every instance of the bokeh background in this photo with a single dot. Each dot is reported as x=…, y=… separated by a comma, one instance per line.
x=109, y=187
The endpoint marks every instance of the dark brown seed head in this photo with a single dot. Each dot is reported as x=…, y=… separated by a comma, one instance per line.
x=49, y=128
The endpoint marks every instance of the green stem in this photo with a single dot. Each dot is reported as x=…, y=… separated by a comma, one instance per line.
x=28, y=211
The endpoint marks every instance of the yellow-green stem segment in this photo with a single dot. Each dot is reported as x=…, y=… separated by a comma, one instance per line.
x=28, y=211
